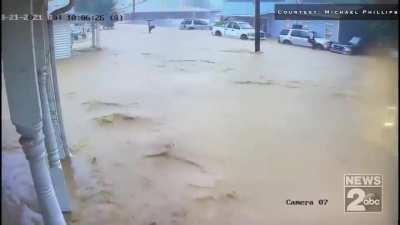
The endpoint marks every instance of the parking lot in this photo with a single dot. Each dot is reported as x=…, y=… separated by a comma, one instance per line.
x=182, y=127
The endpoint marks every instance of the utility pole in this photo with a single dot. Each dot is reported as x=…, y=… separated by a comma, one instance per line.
x=257, y=25
x=133, y=9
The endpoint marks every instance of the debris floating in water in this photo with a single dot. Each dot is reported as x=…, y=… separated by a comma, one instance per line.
x=167, y=155
x=207, y=61
x=289, y=84
x=95, y=104
x=228, y=69
x=114, y=118
x=237, y=51
x=200, y=186
x=192, y=60
x=94, y=160
x=81, y=145
x=268, y=82
x=206, y=198
x=232, y=195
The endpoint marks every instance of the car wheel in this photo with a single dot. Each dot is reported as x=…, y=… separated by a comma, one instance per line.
x=287, y=42
x=243, y=37
x=217, y=33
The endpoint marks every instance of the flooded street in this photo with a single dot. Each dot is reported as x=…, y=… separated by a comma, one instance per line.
x=184, y=128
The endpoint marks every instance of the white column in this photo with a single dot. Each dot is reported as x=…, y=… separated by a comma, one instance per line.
x=53, y=88
x=50, y=139
x=42, y=58
x=20, y=75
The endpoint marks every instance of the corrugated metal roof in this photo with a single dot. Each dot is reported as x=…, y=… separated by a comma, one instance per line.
x=56, y=4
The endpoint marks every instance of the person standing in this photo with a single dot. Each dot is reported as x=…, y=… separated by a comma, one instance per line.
x=150, y=26
x=311, y=40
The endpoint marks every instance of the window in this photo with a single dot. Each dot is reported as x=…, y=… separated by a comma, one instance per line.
x=236, y=26
x=230, y=25
x=186, y=22
x=329, y=30
x=295, y=33
x=297, y=26
x=316, y=35
x=304, y=34
x=245, y=25
x=284, y=32
x=200, y=22
x=299, y=33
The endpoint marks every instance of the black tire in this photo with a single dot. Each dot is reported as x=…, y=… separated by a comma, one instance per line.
x=218, y=33
x=243, y=37
x=287, y=42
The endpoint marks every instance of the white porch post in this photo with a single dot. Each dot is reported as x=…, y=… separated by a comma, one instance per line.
x=53, y=88
x=20, y=75
x=53, y=145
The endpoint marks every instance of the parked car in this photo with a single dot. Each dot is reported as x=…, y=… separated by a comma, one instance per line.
x=351, y=47
x=301, y=37
x=238, y=29
x=194, y=24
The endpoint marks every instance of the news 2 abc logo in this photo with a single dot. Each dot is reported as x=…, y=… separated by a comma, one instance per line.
x=363, y=193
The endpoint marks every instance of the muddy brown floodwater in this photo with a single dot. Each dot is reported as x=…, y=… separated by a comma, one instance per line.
x=183, y=128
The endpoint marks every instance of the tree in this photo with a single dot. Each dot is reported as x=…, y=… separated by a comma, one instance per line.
x=99, y=8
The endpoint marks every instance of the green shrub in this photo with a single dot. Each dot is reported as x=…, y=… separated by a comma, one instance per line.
x=219, y=24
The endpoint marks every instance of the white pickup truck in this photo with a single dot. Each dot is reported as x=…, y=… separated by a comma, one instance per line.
x=238, y=29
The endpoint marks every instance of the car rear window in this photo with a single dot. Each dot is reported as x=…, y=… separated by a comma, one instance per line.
x=200, y=22
x=299, y=33
x=284, y=32
x=186, y=22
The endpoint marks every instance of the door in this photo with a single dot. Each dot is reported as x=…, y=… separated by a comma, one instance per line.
x=197, y=24
x=235, y=30
x=228, y=29
x=201, y=25
x=299, y=37
x=305, y=35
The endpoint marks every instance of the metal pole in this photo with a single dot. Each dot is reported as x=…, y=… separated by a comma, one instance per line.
x=42, y=44
x=54, y=74
x=56, y=171
x=257, y=25
x=56, y=88
x=133, y=9
x=48, y=129
x=93, y=35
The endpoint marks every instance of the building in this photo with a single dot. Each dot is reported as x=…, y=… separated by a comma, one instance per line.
x=169, y=12
x=334, y=30
x=62, y=32
x=126, y=6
